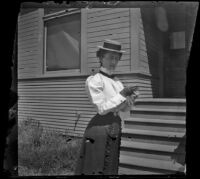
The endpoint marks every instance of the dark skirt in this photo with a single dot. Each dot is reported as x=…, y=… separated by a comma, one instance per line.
x=99, y=153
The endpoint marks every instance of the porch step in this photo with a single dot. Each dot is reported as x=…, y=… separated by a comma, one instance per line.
x=133, y=132
x=156, y=113
x=178, y=111
x=155, y=121
x=161, y=103
x=136, y=171
x=153, y=138
x=131, y=145
x=150, y=164
x=155, y=124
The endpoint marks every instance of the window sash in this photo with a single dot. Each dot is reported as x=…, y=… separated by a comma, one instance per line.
x=51, y=17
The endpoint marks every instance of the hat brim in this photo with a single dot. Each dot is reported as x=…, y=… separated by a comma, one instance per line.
x=108, y=49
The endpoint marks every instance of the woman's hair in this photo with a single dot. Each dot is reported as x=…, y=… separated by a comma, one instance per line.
x=100, y=54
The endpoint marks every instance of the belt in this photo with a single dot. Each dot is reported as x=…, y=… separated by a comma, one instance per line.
x=114, y=113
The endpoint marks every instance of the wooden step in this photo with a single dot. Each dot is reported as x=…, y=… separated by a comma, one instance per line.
x=133, y=171
x=151, y=163
x=155, y=124
x=163, y=100
x=147, y=146
x=156, y=121
x=132, y=132
x=151, y=137
x=163, y=156
x=151, y=113
x=150, y=127
x=161, y=103
x=173, y=111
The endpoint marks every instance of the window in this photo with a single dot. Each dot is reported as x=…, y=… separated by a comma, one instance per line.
x=62, y=43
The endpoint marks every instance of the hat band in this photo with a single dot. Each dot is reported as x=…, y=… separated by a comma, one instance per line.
x=112, y=46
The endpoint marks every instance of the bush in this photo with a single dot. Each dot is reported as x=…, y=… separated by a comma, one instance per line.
x=45, y=151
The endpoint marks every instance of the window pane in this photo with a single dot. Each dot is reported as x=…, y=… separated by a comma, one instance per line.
x=63, y=43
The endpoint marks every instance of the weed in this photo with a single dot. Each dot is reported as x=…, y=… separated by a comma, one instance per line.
x=45, y=152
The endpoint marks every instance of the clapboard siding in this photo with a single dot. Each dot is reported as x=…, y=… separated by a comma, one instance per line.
x=98, y=12
x=57, y=102
x=108, y=24
x=100, y=42
x=30, y=28
x=106, y=32
x=109, y=27
x=121, y=63
x=111, y=36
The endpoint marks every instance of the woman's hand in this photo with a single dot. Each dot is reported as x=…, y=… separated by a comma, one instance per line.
x=131, y=99
x=127, y=91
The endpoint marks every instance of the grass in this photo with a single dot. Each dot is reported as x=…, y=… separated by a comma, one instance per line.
x=45, y=152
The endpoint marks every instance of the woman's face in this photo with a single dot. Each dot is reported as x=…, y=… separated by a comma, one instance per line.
x=110, y=60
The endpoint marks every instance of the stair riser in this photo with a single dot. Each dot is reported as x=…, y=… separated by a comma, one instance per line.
x=150, y=140
x=139, y=170
x=176, y=147
x=151, y=154
x=148, y=126
x=133, y=170
x=156, y=127
x=158, y=105
x=150, y=137
x=158, y=115
x=151, y=163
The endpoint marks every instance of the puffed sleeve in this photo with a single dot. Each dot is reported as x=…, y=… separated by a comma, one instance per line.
x=94, y=88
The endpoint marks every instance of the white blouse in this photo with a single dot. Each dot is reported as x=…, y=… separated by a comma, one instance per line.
x=104, y=94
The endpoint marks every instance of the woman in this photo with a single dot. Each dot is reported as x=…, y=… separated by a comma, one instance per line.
x=99, y=153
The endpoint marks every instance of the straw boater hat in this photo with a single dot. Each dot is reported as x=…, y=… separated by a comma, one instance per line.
x=111, y=45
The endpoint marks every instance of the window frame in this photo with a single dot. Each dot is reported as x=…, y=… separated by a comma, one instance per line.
x=82, y=67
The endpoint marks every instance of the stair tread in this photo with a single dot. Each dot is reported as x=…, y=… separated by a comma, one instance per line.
x=157, y=110
x=149, y=120
x=130, y=171
x=148, y=146
x=175, y=100
x=151, y=163
x=153, y=133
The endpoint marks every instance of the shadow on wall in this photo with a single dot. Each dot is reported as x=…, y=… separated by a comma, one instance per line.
x=152, y=41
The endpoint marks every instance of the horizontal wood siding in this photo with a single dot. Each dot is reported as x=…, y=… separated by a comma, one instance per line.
x=30, y=27
x=112, y=24
x=56, y=104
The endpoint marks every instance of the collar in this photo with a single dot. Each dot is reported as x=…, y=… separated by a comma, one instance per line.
x=106, y=73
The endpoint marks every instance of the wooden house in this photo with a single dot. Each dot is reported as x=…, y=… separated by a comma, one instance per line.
x=57, y=52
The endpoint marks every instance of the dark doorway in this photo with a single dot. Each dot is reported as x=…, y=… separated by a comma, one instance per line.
x=175, y=52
